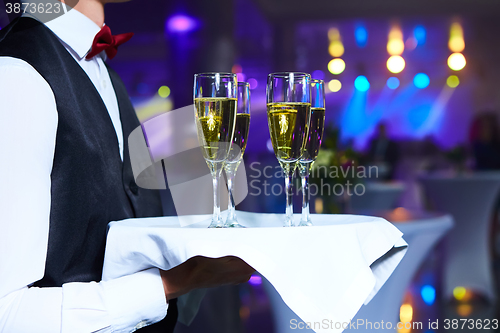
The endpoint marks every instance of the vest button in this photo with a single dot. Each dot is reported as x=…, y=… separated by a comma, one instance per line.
x=133, y=187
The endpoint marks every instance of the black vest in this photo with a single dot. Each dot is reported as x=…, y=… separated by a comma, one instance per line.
x=91, y=186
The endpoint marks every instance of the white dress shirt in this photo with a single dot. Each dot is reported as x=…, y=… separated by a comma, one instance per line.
x=27, y=142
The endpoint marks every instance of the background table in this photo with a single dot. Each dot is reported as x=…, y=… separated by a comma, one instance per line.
x=470, y=199
x=422, y=231
x=378, y=195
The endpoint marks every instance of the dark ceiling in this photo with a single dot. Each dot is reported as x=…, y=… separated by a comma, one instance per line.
x=335, y=9
x=149, y=15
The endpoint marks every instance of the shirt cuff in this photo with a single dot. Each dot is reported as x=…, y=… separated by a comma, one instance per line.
x=135, y=301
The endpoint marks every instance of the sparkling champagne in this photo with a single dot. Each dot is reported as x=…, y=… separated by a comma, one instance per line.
x=288, y=125
x=215, y=119
x=313, y=141
x=240, y=138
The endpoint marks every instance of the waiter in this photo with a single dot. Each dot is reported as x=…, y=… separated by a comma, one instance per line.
x=65, y=117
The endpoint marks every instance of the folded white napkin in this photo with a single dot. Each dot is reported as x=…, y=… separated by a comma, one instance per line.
x=323, y=272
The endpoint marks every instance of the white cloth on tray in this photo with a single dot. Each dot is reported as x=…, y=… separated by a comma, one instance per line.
x=324, y=272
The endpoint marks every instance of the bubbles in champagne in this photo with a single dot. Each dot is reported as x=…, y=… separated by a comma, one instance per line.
x=215, y=119
x=288, y=127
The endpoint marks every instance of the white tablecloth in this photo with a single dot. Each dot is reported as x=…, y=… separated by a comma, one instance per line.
x=378, y=195
x=421, y=234
x=321, y=272
x=470, y=199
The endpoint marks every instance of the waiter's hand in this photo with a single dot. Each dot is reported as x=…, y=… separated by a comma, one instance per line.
x=203, y=272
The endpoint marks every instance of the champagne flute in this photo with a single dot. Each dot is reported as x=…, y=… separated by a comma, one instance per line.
x=288, y=115
x=215, y=113
x=237, y=149
x=313, y=142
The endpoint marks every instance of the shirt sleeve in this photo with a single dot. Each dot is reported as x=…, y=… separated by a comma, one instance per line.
x=28, y=129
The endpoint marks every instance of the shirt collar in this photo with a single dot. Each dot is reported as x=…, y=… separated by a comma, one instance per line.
x=75, y=30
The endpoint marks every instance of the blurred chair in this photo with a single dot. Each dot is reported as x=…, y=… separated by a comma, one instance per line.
x=378, y=196
x=421, y=231
x=471, y=200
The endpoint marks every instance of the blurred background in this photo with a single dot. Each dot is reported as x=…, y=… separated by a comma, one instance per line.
x=412, y=87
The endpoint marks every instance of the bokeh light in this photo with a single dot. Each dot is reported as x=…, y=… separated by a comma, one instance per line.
x=400, y=214
x=456, y=44
x=240, y=77
x=452, y=81
x=333, y=34
x=464, y=310
x=164, y=91
x=421, y=80
x=318, y=75
x=459, y=293
x=405, y=317
x=456, y=29
x=361, y=83
x=395, y=32
x=255, y=280
x=404, y=329
x=269, y=145
x=456, y=61
x=395, y=46
x=393, y=82
x=420, y=34
x=253, y=83
x=411, y=44
x=181, y=23
x=406, y=313
x=236, y=69
x=153, y=107
x=318, y=205
x=361, y=35
x=244, y=312
x=428, y=294
x=334, y=85
x=396, y=64
x=336, y=48
x=336, y=66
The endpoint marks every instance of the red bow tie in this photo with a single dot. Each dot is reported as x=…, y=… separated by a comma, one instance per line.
x=105, y=41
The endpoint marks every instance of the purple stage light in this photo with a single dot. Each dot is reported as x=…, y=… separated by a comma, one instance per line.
x=269, y=145
x=241, y=77
x=253, y=83
x=181, y=23
x=318, y=75
x=255, y=280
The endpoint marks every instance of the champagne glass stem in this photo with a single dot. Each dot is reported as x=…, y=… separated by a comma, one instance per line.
x=230, y=172
x=231, y=221
x=305, y=219
x=216, y=169
x=289, y=169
